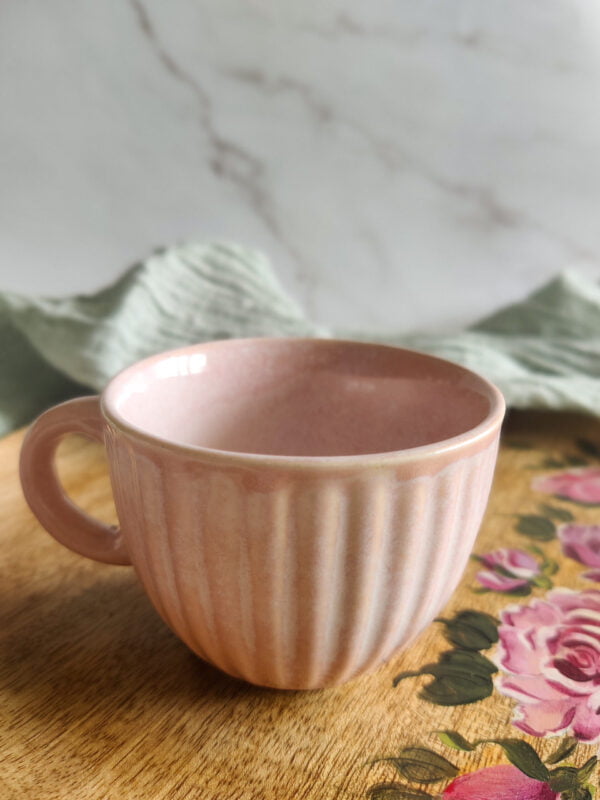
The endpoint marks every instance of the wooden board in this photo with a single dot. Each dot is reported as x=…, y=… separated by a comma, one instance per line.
x=98, y=699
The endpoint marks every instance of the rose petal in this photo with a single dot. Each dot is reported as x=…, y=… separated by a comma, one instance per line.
x=499, y=583
x=550, y=653
x=502, y=782
x=516, y=653
x=551, y=484
x=521, y=559
x=540, y=719
x=574, y=636
x=535, y=614
x=581, y=542
x=592, y=575
x=518, y=562
x=587, y=489
x=565, y=685
x=582, y=485
x=532, y=689
x=570, y=600
x=586, y=724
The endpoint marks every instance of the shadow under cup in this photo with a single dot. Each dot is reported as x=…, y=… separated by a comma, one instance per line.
x=297, y=510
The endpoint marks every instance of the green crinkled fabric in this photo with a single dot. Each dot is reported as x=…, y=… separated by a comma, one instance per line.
x=543, y=352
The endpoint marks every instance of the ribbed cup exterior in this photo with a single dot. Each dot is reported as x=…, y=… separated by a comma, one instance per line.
x=297, y=578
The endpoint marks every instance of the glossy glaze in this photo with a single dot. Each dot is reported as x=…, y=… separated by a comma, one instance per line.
x=297, y=510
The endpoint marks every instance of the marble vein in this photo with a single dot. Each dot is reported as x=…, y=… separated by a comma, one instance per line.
x=484, y=202
x=227, y=159
x=403, y=164
x=345, y=25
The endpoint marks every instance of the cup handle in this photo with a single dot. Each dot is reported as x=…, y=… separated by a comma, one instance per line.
x=57, y=513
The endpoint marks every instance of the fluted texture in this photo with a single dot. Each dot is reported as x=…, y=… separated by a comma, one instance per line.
x=303, y=583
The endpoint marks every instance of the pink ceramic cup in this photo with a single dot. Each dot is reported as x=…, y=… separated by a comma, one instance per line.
x=297, y=510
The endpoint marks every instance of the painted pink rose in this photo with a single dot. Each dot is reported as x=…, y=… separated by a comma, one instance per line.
x=503, y=782
x=582, y=542
x=580, y=485
x=550, y=652
x=508, y=569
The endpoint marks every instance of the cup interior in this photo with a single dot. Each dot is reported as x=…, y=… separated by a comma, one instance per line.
x=299, y=397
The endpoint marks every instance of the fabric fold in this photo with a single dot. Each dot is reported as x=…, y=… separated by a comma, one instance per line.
x=543, y=352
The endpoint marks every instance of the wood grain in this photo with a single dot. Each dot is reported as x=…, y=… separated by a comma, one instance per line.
x=100, y=700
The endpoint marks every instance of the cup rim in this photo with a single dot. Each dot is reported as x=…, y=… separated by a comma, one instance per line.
x=472, y=436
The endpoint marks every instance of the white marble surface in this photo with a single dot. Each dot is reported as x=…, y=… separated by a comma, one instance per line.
x=405, y=164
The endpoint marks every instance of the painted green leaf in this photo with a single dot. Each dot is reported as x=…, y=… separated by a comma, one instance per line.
x=457, y=690
x=585, y=772
x=579, y=793
x=535, y=527
x=550, y=567
x=523, y=756
x=520, y=591
x=571, y=781
x=576, y=461
x=409, y=673
x=455, y=740
x=518, y=752
x=564, y=749
x=552, y=463
x=396, y=791
x=542, y=582
x=536, y=551
x=580, y=503
x=423, y=766
x=564, y=779
x=588, y=447
x=459, y=662
x=469, y=661
x=461, y=677
x=556, y=513
x=471, y=630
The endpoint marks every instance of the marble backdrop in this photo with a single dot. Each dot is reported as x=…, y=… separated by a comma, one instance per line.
x=406, y=164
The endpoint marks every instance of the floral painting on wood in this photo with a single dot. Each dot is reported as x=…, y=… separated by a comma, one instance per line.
x=541, y=651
